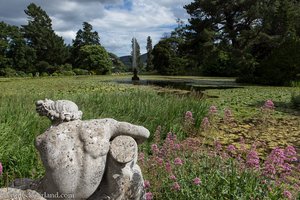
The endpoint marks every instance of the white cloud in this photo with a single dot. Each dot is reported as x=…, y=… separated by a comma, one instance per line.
x=116, y=21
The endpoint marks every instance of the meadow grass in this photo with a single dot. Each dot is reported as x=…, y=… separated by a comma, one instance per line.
x=20, y=124
x=221, y=175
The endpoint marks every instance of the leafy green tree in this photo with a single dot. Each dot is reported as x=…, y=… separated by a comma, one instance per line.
x=4, y=45
x=166, y=57
x=85, y=36
x=279, y=29
x=282, y=65
x=149, y=48
x=39, y=35
x=135, y=54
x=230, y=25
x=118, y=65
x=14, y=52
x=95, y=58
x=239, y=34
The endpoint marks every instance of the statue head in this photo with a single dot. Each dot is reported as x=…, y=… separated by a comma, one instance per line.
x=58, y=111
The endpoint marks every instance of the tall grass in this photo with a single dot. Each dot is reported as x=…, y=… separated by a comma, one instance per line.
x=19, y=123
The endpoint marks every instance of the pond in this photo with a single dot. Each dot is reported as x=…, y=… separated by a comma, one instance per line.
x=185, y=84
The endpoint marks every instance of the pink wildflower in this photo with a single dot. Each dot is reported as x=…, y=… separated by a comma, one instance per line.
x=149, y=196
x=177, y=146
x=269, y=105
x=176, y=186
x=227, y=115
x=1, y=169
x=290, y=153
x=159, y=161
x=171, y=136
x=213, y=110
x=287, y=168
x=141, y=157
x=168, y=167
x=231, y=148
x=188, y=115
x=178, y=161
x=197, y=181
x=287, y=194
x=172, y=177
x=146, y=184
x=205, y=123
x=269, y=169
x=155, y=149
x=252, y=159
x=276, y=163
x=218, y=145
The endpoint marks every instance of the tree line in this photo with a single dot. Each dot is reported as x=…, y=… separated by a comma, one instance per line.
x=35, y=49
x=254, y=40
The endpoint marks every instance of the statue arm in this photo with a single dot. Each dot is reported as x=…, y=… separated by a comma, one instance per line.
x=139, y=133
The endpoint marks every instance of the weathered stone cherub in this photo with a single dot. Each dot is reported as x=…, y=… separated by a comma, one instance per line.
x=75, y=153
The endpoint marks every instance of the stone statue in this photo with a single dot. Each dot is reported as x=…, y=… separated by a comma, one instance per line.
x=58, y=111
x=94, y=158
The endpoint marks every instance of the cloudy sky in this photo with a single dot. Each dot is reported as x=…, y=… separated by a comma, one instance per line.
x=116, y=21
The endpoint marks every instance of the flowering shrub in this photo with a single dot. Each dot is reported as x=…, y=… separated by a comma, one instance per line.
x=189, y=122
x=278, y=163
x=195, y=169
x=188, y=170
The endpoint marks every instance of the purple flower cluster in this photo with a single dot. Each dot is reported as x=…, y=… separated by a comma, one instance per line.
x=231, y=148
x=287, y=194
x=213, y=110
x=1, y=169
x=189, y=123
x=155, y=149
x=252, y=159
x=173, y=177
x=205, y=124
x=278, y=162
x=149, y=196
x=228, y=116
x=176, y=186
x=188, y=115
x=178, y=161
x=269, y=105
x=197, y=181
x=146, y=184
x=218, y=146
